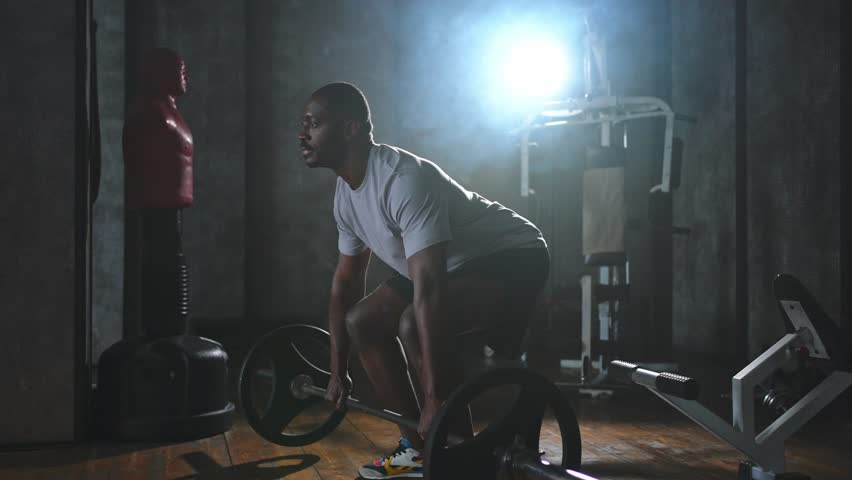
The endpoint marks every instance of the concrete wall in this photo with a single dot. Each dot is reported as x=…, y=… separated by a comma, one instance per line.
x=792, y=129
x=37, y=213
x=703, y=56
x=795, y=154
x=294, y=48
x=108, y=212
x=210, y=35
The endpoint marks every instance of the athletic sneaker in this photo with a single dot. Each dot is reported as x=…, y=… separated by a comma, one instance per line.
x=404, y=462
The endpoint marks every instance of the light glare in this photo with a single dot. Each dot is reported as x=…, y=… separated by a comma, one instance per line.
x=534, y=69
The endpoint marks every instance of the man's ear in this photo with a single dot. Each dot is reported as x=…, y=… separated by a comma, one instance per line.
x=352, y=128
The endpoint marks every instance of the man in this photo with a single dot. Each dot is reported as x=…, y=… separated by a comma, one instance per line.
x=464, y=264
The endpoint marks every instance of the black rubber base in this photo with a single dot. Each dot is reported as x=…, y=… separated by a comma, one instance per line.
x=167, y=388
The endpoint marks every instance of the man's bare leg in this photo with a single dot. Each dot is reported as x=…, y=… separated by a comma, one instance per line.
x=373, y=325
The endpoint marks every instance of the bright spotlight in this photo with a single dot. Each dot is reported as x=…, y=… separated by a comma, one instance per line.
x=534, y=70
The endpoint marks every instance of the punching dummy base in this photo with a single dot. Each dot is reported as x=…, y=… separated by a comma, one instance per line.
x=167, y=388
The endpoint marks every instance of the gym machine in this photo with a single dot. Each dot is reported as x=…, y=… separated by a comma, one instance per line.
x=605, y=287
x=811, y=336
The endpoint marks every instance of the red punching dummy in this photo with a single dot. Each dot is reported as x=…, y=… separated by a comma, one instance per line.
x=164, y=384
x=158, y=153
x=157, y=142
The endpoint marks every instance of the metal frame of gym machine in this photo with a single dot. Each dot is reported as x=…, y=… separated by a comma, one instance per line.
x=765, y=450
x=606, y=110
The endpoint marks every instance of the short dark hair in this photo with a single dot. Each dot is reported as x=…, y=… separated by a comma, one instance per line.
x=347, y=101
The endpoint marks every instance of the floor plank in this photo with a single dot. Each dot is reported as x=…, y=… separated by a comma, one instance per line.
x=347, y=448
x=253, y=457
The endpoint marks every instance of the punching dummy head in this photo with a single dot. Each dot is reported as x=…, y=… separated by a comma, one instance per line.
x=163, y=73
x=336, y=117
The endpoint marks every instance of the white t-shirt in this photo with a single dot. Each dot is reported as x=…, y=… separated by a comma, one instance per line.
x=407, y=203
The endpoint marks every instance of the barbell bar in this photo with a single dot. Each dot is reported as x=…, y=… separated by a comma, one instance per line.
x=303, y=387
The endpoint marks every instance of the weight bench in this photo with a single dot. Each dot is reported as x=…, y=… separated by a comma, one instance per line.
x=810, y=333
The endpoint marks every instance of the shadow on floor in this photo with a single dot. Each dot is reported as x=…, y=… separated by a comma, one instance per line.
x=267, y=469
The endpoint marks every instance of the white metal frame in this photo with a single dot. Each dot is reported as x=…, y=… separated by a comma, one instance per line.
x=606, y=111
x=765, y=449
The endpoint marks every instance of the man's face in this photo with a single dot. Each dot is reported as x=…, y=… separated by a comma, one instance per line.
x=321, y=137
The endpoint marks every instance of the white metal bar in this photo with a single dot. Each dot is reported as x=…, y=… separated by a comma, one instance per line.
x=586, y=316
x=665, y=185
x=525, y=164
x=590, y=120
x=715, y=425
x=806, y=408
x=743, y=383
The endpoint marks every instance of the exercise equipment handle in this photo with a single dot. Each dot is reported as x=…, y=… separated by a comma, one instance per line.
x=671, y=383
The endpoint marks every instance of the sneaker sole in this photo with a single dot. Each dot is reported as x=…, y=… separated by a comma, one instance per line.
x=371, y=475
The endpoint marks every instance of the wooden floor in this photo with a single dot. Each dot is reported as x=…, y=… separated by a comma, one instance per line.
x=630, y=437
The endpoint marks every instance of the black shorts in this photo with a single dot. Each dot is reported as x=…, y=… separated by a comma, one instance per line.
x=524, y=271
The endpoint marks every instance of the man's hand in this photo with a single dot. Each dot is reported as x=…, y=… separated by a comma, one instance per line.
x=427, y=416
x=338, y=389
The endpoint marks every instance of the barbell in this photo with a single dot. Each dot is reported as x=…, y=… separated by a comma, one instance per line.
x=281, y=378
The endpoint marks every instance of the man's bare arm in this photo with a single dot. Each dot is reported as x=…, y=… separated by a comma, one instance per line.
x=347, y=288
x=428, y=270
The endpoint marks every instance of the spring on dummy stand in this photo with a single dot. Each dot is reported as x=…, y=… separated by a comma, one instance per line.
x=183, y=287
x=182, y=274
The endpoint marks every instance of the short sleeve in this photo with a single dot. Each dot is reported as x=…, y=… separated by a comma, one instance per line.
x=419, y=208
x=347, y=242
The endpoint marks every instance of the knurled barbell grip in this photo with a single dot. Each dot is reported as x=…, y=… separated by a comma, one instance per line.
x=357, y=405
x=665, y=382
x=385, y=414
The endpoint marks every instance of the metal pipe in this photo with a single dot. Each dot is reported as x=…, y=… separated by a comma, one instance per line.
x=525, y=464
x=357, y=405
x=303, y=386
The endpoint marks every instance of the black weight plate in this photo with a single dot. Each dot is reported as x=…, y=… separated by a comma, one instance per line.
x=264, y=385
x=477, y=457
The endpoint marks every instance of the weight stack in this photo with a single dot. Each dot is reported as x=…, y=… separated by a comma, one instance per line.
x=166, y=388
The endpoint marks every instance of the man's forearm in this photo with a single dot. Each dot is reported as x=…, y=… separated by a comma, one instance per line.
x=429, y=313
x=343, y=296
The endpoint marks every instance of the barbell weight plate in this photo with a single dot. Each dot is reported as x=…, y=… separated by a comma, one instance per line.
x=269, y=405
x=477, y=457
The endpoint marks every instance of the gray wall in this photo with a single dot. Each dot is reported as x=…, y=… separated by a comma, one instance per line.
x=293, y=49
x=108, y=212
x=704, y=261
x=795, y=201
x=210, y=35
x=793, y=154
x=37, y=214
